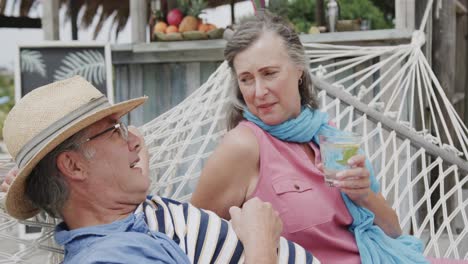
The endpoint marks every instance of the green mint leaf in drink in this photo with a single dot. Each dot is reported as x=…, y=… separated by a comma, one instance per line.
x=349, y=150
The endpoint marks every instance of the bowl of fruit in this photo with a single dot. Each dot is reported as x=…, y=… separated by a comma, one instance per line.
x=183, y=23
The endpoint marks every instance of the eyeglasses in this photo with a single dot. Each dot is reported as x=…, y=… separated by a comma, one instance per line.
x=120, y=127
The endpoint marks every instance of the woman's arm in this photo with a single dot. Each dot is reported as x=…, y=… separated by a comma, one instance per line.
x=355, y=182
x=385, y=216
x=228, y=173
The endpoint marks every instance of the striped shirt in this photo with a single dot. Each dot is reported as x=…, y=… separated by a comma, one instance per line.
x=204, y=236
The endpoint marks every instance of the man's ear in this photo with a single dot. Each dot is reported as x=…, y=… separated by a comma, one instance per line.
x=72, y=165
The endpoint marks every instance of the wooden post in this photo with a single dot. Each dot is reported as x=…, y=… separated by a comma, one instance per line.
x=50, y=19
x=444, y=45
x=320, y=13
x=465, y=67
x=72, y=5
x=443, y=65
x=233, y=12
x=138, y=11
x=404, y=14
x=421, y=6
x=460, y=66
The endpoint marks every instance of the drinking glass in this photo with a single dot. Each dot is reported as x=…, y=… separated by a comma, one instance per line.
x=336, y=151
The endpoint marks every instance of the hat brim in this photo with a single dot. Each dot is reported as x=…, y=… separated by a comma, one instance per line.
x=16, y=203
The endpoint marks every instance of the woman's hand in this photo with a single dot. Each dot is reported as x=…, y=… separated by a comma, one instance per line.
x=11, y=175
x=354, y=182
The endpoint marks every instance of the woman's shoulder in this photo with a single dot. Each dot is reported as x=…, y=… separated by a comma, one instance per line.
x=241, y=136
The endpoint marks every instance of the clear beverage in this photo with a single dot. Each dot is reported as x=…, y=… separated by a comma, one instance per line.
x=335, y=152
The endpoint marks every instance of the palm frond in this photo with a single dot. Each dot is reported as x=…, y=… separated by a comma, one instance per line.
x=88, y=8
x=2, y=6
x=32, y=61
x=12, y=11
x=90, y=64
x=25, y=7
x=106, y=12
x=90, y=11
x=99, y=25
x=120, y=19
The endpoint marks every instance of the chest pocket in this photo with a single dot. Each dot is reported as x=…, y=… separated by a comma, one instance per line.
x=302, y=205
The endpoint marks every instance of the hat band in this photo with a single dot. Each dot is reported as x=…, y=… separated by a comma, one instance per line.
x=33, y=146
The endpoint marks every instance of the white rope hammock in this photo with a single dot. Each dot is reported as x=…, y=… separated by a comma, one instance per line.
x=414, y=138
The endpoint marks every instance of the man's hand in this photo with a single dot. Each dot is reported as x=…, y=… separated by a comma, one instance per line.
x=258, y=226
x=11, y=175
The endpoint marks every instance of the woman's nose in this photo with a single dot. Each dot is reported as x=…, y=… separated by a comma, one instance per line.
x=260, y=88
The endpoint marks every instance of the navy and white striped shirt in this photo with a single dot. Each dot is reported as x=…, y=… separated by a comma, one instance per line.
x=164, y=231
x=204, y=236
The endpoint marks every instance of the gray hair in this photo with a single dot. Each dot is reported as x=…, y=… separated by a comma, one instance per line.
x=244, y=36
x=46, y=187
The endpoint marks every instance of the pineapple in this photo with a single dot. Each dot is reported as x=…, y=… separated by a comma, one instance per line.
x=194, y=9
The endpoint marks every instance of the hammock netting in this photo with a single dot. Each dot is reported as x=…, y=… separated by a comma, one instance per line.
x=411, y=133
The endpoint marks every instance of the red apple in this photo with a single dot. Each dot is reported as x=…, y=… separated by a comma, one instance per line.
x=174, y=17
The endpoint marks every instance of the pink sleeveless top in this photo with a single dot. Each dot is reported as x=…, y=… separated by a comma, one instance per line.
x=313, y=214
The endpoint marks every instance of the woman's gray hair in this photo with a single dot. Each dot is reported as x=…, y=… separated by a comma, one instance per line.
x=46, y=187
x=244, y=36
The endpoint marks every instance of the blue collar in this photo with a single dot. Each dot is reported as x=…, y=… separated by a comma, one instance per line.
x=63, y=235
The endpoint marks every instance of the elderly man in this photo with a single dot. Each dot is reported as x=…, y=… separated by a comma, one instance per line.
x=77, y=161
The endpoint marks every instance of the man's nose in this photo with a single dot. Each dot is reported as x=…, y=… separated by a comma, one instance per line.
x=134, y=142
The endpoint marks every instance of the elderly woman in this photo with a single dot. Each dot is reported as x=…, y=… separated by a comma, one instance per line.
x=265, y=153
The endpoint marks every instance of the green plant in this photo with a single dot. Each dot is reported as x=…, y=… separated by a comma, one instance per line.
x=302, y=12
x=6, y=89
x=364, y=9
x=192, y=7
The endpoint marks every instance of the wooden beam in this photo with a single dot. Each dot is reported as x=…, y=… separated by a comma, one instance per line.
x=19, y=22
x=73, y=9
x=320, y=13
x=444, y=67
x=50, y=19
x=404, y=14
x=444, y=46
x=233, y=14
x=465, y=113
x=461, y=8
x=368, y=37
x=138, y=11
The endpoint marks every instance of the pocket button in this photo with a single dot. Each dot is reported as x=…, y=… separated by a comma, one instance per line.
x=297, y=187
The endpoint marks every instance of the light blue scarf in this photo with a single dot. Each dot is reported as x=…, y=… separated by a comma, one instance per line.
x=373, y=244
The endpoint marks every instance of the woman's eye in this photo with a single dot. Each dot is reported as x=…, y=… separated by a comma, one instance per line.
x=270, y=73
x=245, y=80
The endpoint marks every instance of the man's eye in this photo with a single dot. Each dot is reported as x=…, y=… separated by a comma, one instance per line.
x=115, y=130
x=270, y=73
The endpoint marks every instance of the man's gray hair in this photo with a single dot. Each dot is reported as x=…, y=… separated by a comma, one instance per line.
x=244, y=36
x=46, y=187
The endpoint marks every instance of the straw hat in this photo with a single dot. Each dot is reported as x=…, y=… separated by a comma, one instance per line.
x=42, y=120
